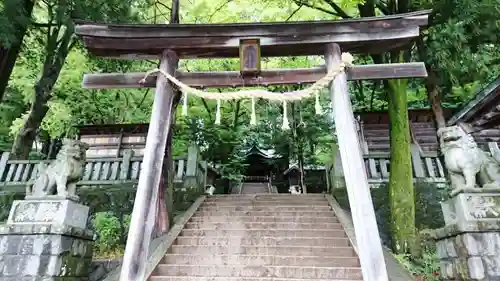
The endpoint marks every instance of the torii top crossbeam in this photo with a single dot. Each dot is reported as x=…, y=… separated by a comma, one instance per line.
x=146, y=41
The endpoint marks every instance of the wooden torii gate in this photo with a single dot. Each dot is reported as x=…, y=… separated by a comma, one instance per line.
x=169, y=43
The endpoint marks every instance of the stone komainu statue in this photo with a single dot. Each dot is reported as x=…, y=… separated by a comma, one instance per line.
x=61, y=176
x=467, y=164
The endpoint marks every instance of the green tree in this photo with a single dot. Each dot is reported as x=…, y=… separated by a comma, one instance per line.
x=57, y=35
x=459, y=48
x=15, y=18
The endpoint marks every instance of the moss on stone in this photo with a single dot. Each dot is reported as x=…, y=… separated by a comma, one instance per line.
x=461, y=268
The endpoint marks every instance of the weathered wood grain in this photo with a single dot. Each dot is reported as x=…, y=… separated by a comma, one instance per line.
x=358, y=190
x=142, y=220
x=224, y=79
x=417, y=163
x=367, y=35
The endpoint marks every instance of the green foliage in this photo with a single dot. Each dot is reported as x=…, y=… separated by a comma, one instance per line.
x=6, y=201
x=109, y=234
x=425, y=268
x=462, y=43
x=461, y=46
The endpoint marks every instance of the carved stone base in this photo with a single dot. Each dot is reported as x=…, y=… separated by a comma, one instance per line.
x=75, y=198
x=44, y=252
x=471, y=253
x=46, y=239
x=469, y=245
x=43, y=211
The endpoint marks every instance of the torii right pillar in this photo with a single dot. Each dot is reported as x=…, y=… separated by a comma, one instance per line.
x=363, y=214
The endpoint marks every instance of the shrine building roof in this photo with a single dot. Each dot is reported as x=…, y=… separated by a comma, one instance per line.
x=482, y=111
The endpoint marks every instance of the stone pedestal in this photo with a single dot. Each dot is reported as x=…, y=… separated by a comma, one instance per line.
x=469, y=245
x=46, y=239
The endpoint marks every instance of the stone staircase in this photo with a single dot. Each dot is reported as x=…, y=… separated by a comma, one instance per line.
x=254, y=187
x=261, y=237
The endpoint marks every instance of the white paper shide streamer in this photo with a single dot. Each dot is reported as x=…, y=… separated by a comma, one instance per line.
x=217, y=114
x=185, y=105
x=253, y=119
x=317, y=105
x=314, y=89
x=285, y=125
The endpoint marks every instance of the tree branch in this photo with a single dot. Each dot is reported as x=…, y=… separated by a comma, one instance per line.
x=44, y=24
x=337, y=9
x=300, y=2
x=143, y=98
x=236, y=114
x=383, y=8
x=294, y=12
x=218, y=9
x=207, y=109
x=164, y=6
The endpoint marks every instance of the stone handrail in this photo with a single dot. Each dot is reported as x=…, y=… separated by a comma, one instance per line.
x=122, y=172
x=427, y=167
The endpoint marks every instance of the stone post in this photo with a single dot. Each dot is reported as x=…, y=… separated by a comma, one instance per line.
x=45, y=237
x=190, y=180
x=469, y=245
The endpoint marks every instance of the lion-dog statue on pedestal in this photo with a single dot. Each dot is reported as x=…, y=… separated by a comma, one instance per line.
x=60, y=177
x=467, y=164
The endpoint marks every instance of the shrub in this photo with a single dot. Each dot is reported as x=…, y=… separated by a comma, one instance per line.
x=111, y=234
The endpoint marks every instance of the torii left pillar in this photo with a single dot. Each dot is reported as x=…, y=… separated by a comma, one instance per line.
x=144, y=212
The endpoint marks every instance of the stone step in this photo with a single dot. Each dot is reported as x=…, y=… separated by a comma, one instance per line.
x=333, y=233
x=277, y=213
x=265, y=208
x=237, y=241
x=259, y=271
x=266, y=196
x=260, y=225
x=294, y=203
x=318, y=261
x=271, y=250
x=247, y=190
x=287, y=201
x=227, y=219
x=214, y=278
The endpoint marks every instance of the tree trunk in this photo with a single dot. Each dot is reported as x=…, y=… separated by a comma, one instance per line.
x=26, y=136
x=57, y=51
x=401, y=190
x=174, y=12
x=300, y=148
x=431, y=85
x=169, y=200
x=434, y=97
x=8, y=54
x=174, y=19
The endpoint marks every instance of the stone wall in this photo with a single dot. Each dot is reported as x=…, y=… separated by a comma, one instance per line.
x=101, y=268
x=469, y=256
x=428, y=213
x=44, y=251
x=468, y=246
